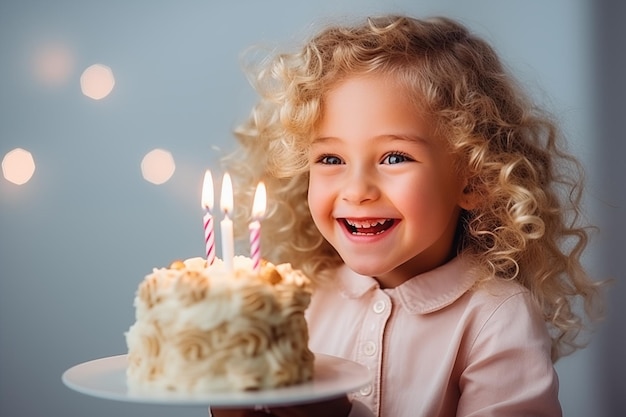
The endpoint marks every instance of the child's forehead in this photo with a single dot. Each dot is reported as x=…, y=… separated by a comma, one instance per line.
x=408, y=87
x=377, y=94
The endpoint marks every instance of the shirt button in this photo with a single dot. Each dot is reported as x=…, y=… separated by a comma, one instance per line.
x=365, y=391
x=379, y=306
x=369, y=348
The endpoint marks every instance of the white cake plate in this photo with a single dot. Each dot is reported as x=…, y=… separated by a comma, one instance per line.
x=106, y=378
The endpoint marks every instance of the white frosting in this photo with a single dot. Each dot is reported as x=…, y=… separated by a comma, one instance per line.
x=202, y=328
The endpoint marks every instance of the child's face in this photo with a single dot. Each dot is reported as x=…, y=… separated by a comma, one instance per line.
x=382, y=188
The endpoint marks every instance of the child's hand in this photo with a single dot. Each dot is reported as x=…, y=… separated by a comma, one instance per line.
x=338, y=407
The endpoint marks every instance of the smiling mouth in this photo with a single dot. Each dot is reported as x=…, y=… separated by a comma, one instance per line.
x=368, y=227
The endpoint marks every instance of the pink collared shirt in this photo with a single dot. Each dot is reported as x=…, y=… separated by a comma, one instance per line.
x=436, y=346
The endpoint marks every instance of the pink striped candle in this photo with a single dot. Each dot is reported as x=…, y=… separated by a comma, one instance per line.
x=207, y=204
x=258, y=211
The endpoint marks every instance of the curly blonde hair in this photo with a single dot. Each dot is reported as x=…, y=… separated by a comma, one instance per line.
x=526, y=224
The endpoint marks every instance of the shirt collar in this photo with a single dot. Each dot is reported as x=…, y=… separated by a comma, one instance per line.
x=422, y=294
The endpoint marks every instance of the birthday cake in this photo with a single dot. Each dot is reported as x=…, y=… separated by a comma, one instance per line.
x=202, y=328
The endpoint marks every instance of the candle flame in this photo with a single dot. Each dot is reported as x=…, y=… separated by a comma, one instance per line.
x=207, y=191
x=260, y=202
x=226, y=199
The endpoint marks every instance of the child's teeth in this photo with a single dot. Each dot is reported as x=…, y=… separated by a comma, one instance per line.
x=365, y=224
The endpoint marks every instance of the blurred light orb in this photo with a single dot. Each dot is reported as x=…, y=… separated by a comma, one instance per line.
x=53, y=63
x=18, y=166
x=97, y=81
x=158, y=166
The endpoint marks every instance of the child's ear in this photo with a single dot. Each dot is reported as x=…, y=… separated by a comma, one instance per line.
x=469, y=198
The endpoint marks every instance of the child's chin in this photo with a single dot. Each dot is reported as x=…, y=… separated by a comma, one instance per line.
x=370, y=269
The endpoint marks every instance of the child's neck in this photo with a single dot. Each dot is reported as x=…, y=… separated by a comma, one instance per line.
x=408, y=270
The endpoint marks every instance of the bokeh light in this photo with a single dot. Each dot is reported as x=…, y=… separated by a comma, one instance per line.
x=18, y=166
x=158, y=166
x=53, y=63
x=97, y=81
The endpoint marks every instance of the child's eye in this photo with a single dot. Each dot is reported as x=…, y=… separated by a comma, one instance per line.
x=396, y=158
x=329, y=160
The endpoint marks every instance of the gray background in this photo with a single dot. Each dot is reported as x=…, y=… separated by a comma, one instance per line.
x=76, y=240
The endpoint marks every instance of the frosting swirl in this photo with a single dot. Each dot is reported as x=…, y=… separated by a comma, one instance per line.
x=201, y=328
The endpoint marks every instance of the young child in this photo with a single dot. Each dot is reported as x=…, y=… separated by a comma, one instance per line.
x=434, y=207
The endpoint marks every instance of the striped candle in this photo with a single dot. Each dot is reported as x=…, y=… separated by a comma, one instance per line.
x=258, y=211
x=207, y=204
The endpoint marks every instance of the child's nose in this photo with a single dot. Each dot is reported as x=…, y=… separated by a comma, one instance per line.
x=359, y=188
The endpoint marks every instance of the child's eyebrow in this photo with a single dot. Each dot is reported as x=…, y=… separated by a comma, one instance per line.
x=388, y=137
x=408, y=138
x=323, y=139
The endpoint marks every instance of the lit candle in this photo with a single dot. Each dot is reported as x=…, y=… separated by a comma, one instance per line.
x=226, y=204
x=258, y=211
x=207, y=204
